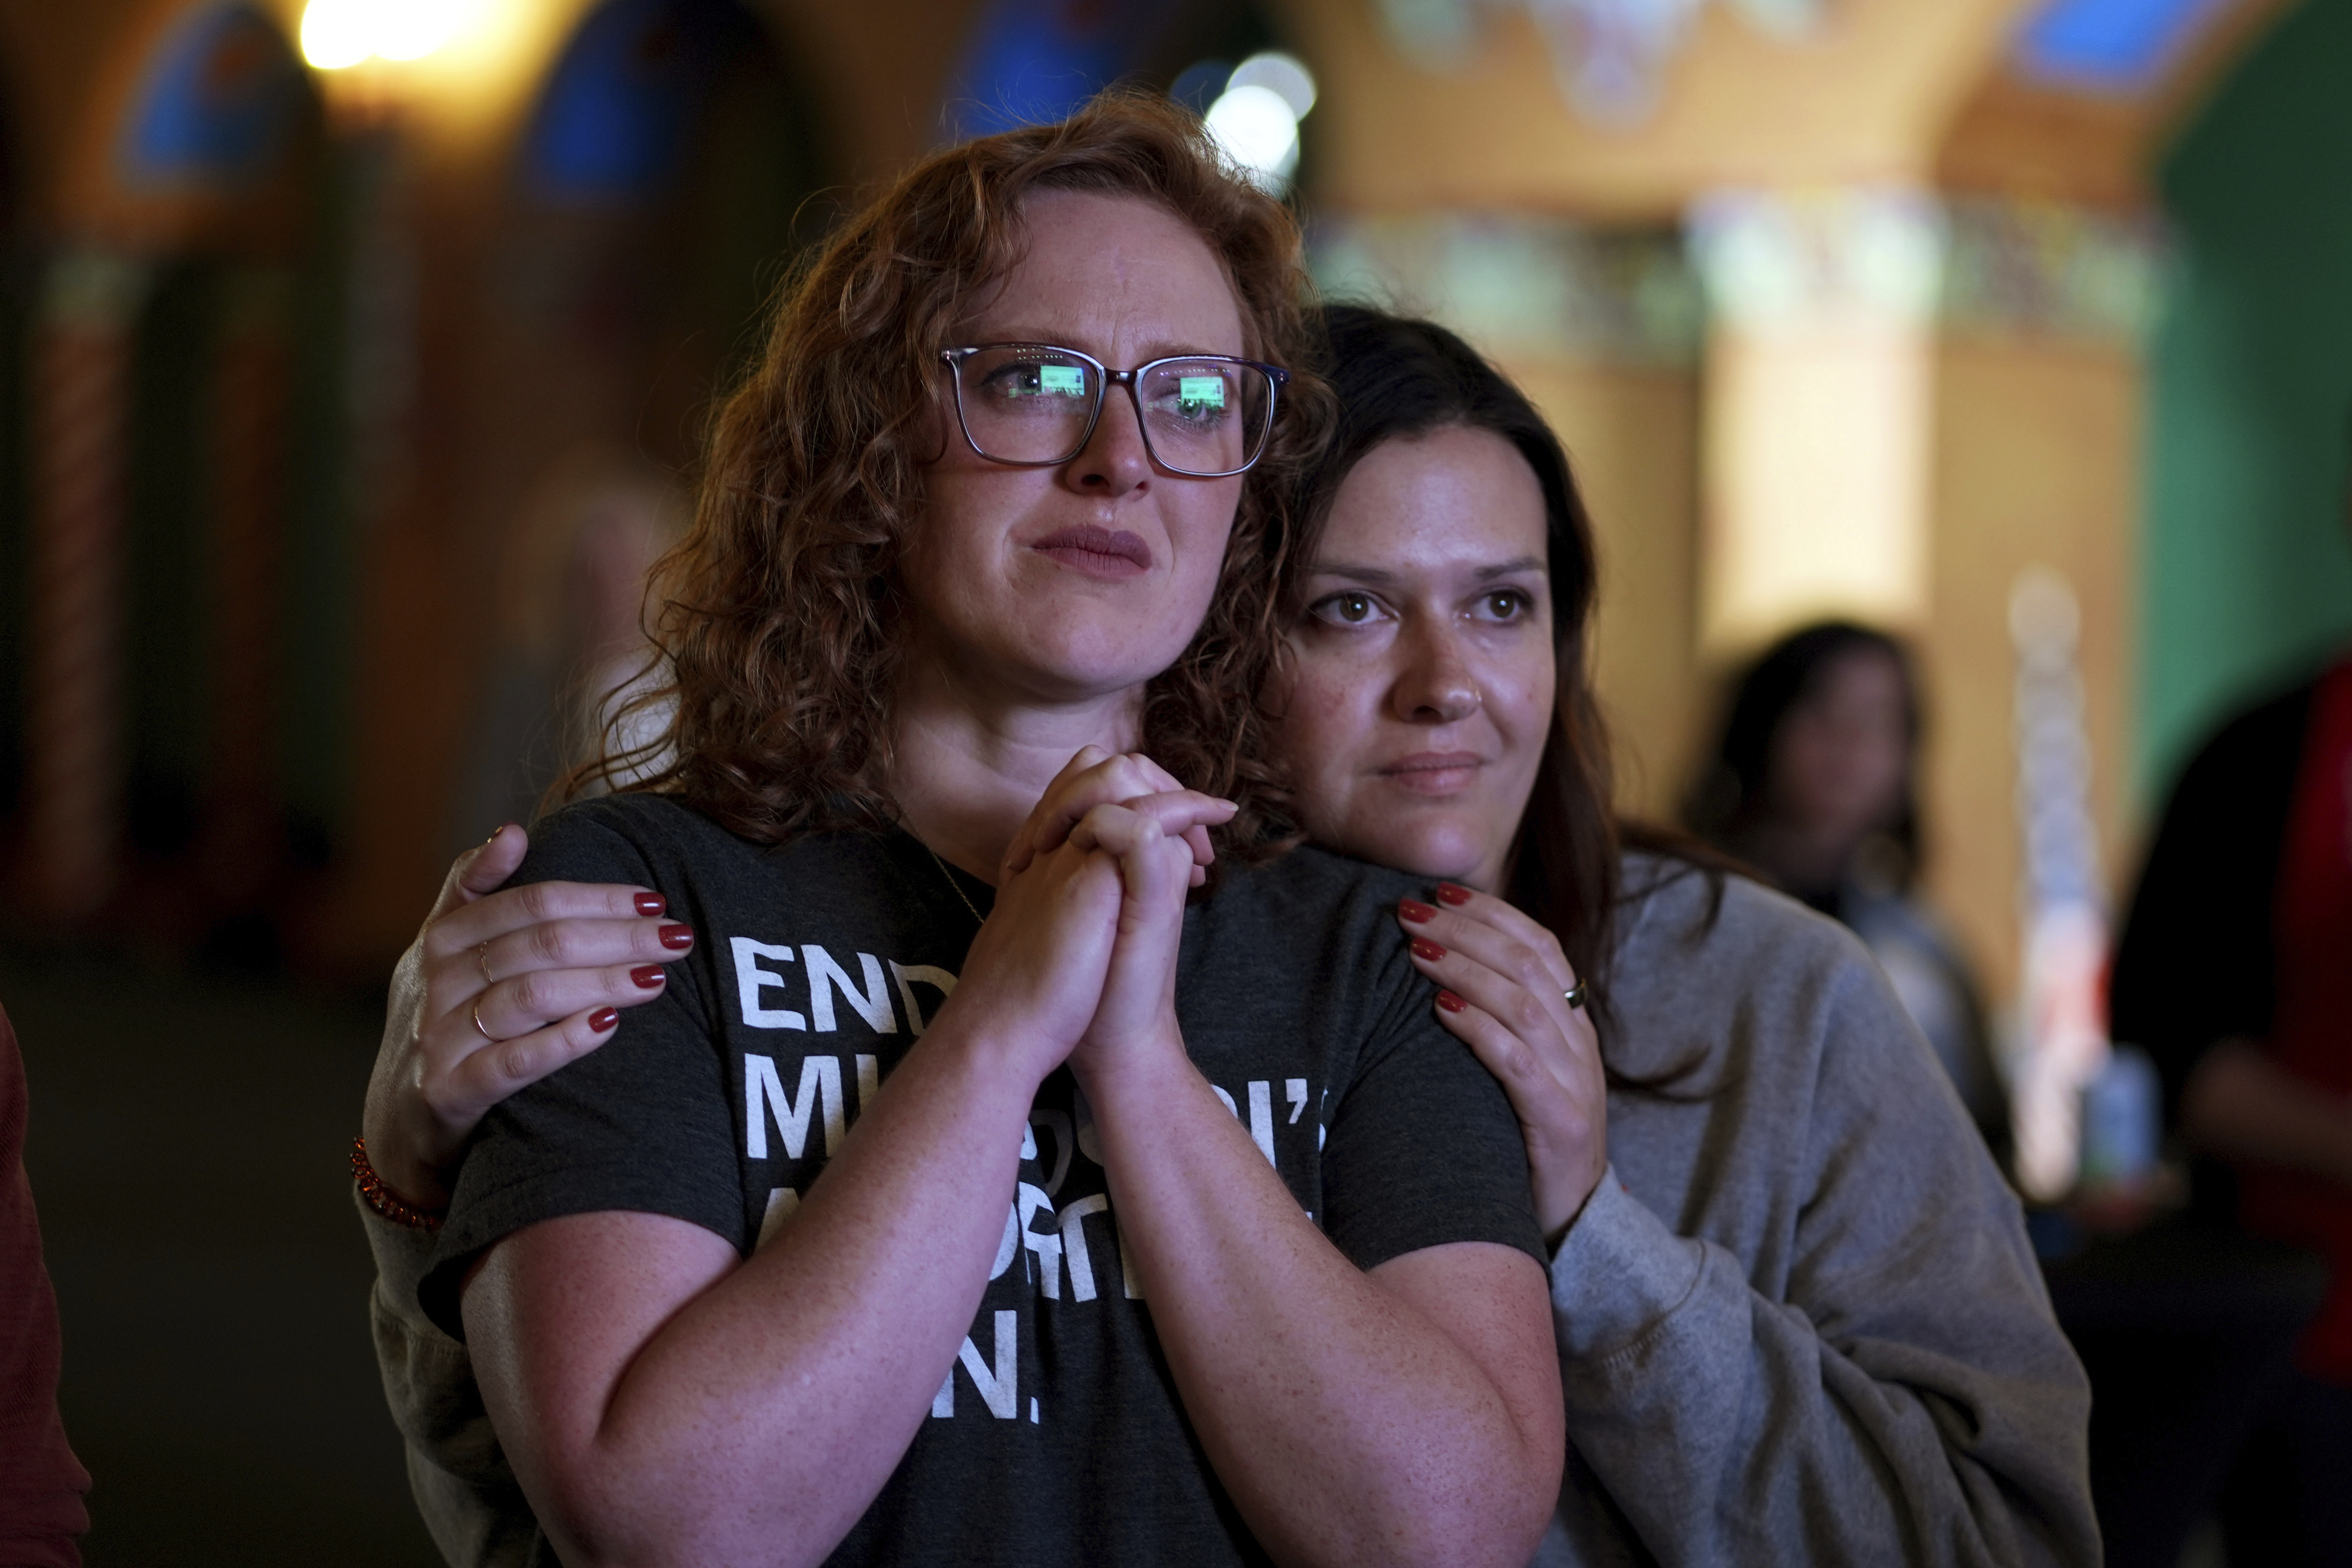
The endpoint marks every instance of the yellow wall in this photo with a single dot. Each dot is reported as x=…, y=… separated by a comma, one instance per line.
x=2036, y=449
x=1632, y=436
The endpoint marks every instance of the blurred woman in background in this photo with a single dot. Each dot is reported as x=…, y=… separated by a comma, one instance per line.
x=1813, y=783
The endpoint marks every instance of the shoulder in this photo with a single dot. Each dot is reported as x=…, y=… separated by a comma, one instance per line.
x=635, y=816
x=1706, y=981
x=632, y=835
x=2253, y=754
x=1673, y=914
x=1306, y=890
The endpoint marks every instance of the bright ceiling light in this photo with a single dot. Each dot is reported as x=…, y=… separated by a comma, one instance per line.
x=412, y=29
x=1258, y=130
x=337, y=33
x=1281, y=75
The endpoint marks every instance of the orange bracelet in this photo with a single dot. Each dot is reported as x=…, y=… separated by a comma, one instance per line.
x=382, y=1199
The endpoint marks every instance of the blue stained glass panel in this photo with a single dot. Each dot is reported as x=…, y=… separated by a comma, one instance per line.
x=618, y=113
x=1028, y=62
x=219, y=95
x=2118, y=45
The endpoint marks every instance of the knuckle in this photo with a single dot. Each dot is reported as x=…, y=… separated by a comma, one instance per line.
x=1526, y=1014
x=432, y=940
x=517, y=1058
x=546, y=942
x=530, y=993
x=1507, y=1057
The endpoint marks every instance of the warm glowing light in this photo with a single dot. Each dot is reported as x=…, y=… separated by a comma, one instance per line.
x=412, y=29
x=337, y=33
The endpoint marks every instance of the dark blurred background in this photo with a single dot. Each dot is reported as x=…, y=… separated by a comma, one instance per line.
x=353, y=356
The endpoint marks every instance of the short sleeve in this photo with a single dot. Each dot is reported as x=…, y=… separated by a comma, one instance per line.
x=643, y=1123
x=1423, y=1149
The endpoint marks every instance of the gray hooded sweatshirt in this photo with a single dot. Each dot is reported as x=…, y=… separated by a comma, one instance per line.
x=1798, y=1321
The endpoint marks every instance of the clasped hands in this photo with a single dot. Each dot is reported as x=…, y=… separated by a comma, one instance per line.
x=1077, y=962
x=503, y=985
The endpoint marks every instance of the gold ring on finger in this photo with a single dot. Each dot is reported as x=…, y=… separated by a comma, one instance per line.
x=475, y=1013
x=1574, y=995
x=482, y=957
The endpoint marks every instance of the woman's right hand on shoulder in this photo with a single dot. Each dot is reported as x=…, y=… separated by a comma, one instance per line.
x=1506, y=987
x=501, y=986
x=1035, y=974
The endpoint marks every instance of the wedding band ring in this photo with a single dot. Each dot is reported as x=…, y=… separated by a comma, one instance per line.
x=482, y=957
x=475, y=1013
x=1573, y=996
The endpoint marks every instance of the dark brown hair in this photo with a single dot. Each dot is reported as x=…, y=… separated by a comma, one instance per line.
x=776, y=636
x=1734, y=792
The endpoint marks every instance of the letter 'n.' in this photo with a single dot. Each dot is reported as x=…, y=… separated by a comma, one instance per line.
x=999, y=1386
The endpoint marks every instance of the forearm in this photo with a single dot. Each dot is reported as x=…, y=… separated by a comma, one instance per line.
x=1347, y=1426
x=755, y=1422
x=1927, y=1419
x=2243, y=1106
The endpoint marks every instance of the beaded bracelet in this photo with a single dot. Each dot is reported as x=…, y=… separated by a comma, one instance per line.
x=382, y=1199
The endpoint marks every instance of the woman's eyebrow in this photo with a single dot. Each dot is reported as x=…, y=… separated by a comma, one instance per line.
x=1380, y=576
x=1375, y=575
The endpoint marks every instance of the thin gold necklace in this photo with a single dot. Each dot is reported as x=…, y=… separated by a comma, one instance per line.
x=959, y=893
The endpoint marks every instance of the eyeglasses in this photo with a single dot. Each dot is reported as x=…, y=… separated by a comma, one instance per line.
x=1033, y=405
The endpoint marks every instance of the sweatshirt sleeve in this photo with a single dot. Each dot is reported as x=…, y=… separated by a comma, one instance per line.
x=464, y=1489
x=1887, y=1387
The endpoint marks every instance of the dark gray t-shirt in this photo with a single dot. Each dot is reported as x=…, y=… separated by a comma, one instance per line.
x=1058, y=1436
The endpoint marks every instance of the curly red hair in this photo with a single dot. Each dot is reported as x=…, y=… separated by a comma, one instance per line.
x=776, y=645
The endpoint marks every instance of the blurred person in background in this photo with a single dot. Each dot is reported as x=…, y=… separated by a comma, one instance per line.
x=1794, y=1311
x=2234, y=972
x=570, y=589
x=1812, y=784
x=41, y=1482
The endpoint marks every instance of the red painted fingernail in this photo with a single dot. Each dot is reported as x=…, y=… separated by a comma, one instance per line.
x=650, y=904
x=1415, y=910
x=677, y=936
x=1426, y=951
x=1450, y=1001
x=647, y=975
x=1449, y=893
x=603, y=1018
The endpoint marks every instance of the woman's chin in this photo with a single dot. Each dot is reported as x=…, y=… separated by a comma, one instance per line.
x=1437, y=857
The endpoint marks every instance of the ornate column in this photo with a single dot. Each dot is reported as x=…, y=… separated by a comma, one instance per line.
x=249, y=478
x=81, y=398
x=1818, y=408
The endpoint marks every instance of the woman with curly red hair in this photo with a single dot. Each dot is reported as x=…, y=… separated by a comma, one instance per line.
x=936, y=1207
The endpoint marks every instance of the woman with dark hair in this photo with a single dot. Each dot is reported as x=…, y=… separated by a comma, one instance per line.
x=913, y=1217
x=1813, y=784
x=1797, y=1317
x=1795, y=1314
